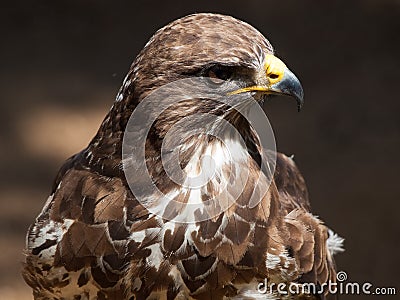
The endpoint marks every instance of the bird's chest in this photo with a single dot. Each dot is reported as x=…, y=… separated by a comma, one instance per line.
x=216, y=177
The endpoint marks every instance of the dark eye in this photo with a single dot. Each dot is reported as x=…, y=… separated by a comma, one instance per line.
x=219, y=73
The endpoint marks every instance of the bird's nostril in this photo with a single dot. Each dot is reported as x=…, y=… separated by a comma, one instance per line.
x=273, y=76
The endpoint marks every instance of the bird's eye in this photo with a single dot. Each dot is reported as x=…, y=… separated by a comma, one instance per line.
x=218, y=74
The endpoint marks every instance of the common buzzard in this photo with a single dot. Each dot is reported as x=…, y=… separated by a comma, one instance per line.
x=95, y=239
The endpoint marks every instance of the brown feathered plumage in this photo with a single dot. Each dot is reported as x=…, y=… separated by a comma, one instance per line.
x=95, y=240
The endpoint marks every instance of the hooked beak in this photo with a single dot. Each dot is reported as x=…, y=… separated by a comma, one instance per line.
x=276, y=79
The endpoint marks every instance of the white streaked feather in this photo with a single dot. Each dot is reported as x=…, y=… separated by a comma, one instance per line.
x=138, y=236
x=334, y=243
x=272, y=261
x=156, y=256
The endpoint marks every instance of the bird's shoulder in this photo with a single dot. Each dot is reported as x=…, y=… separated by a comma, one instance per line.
x=81, y=238
x=290, y=184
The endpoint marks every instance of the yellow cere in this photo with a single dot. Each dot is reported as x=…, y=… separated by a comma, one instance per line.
x=274, y=68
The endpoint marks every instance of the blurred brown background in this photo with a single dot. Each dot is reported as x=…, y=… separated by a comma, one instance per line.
x=62, y=64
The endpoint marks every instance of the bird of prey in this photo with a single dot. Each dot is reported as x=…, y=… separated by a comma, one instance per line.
x=94, y=239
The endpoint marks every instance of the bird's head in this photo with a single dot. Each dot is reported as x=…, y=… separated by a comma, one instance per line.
x=219, y=47
x=167, y=109
x=221, y=51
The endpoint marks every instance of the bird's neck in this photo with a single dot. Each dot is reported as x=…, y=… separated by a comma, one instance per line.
x=219, y=143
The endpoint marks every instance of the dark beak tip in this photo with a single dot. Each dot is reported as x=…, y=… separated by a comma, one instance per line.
x=298, y=93
x=300, y=101
x=291, y=86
